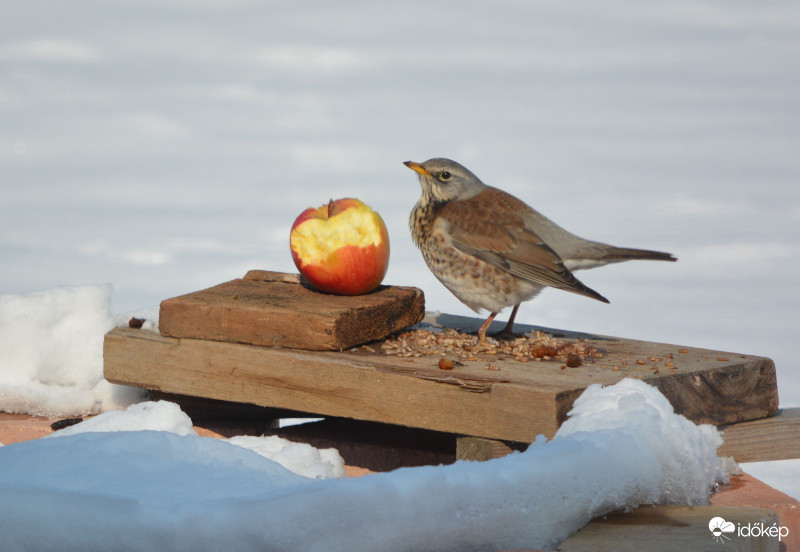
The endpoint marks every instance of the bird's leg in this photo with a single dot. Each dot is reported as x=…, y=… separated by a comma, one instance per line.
x=484, y=327
x=508, y=331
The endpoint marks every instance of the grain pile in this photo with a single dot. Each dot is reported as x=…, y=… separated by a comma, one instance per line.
x=455, y=346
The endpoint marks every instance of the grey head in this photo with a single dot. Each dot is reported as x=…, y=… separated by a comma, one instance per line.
x=445, y=180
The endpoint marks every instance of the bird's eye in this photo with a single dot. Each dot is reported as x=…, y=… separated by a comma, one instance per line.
x=445, y=175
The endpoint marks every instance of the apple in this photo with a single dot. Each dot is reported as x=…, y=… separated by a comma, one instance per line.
x=341, y=247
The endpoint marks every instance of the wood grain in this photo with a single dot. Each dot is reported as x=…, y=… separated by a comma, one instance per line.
x=335, y=384
x=278, y=309
x=514, y=403
x=482, y=449
x=774, y=438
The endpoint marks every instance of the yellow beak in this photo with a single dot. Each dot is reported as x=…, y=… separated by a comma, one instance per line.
x=416, y=167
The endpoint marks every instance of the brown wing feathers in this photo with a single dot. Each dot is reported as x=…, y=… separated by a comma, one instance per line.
x=492, y=229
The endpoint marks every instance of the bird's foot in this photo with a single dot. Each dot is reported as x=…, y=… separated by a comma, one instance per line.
x=506, y=333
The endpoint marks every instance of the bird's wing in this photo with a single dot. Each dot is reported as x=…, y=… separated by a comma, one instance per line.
x=490, y=226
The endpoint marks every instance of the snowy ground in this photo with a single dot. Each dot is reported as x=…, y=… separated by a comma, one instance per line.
x=114, y=483
x=163, y=147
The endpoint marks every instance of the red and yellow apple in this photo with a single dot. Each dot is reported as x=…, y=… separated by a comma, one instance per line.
x=341, y=247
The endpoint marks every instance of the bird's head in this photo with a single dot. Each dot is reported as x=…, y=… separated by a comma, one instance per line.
x=445, y=180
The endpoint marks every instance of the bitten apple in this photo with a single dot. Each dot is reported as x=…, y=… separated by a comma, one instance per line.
x=341, y=247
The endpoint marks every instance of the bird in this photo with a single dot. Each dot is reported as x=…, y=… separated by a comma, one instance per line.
x=492, y=250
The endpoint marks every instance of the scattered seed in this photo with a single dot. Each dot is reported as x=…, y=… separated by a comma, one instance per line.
x=445, y=364
x=537, y=346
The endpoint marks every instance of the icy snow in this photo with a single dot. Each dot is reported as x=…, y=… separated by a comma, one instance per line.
x=300, y=458
x=155, y=490
x=148, y=415
x=51, y=353
x=166, y=416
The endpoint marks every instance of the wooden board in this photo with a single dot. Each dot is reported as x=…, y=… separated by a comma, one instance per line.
x=277, y=309
x=669, y=528
x=515, y=402
x=775, y=438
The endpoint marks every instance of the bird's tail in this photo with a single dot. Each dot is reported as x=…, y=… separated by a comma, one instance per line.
x=619, y=254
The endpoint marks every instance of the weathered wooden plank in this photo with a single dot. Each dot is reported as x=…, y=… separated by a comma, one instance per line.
x=706, y=386
x=334, y=384
x=277, y=309
x=670, y=528
x=774, y=438
x=514, y=402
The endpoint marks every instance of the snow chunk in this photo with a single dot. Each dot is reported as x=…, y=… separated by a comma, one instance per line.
x=150, y=415
x=144, y=472
x=51, y=353
x=300, y=458
x=678, y=456
x=623, y=446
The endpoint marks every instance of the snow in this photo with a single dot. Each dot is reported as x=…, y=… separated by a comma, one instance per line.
x=144, y=416
x=166, y=416
x=144, y=490
x=51, y=353
x=300, y=458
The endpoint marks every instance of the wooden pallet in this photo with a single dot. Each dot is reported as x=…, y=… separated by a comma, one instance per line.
x=514, y=401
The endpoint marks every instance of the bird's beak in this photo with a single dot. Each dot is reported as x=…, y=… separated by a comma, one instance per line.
x=416, y=167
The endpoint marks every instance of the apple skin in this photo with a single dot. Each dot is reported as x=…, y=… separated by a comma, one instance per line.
x=341, y=247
